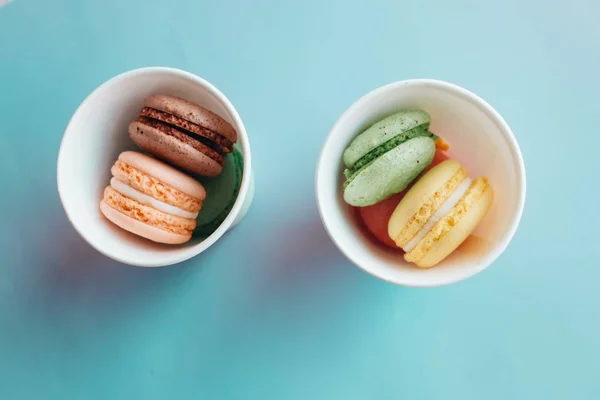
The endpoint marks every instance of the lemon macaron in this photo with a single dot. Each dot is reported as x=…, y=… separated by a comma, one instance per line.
x=438, y=213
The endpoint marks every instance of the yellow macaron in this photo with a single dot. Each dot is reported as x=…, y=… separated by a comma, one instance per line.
x=438, y=213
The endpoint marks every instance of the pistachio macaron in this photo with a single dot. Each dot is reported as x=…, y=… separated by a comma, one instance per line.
x=438, y=213
x=152, y=199
x=223, y=191
x=385, y=158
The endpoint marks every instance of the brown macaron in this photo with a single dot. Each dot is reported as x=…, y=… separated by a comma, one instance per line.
x=183, y=134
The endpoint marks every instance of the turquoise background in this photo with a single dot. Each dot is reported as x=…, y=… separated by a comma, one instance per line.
x=274, y=311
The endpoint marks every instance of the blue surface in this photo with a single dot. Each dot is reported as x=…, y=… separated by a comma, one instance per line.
x=273, y=311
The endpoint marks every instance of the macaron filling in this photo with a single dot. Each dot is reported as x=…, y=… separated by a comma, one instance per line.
x=143, y=198
x=193, y=113
x=427, y=209
x=401, y=139
x=383, y=131
x=197, y=142
x=218, y=141
x=474, y=193
x=146, y=214
x=420, y=130
x=444, y=209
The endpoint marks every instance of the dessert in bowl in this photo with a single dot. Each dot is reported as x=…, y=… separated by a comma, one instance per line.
x=473, y=134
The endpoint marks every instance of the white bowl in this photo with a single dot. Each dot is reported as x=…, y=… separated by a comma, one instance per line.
x=479, y=138
x=97, y=133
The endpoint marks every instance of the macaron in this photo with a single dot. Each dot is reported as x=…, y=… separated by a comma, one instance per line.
x=376, y=217
x=152, y=199
x=385, y=158
x=223, y=191
x=438, y=213
x=183, y=134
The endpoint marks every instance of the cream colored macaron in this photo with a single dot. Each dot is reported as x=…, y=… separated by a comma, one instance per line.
x=152, y=199
x=438, y=213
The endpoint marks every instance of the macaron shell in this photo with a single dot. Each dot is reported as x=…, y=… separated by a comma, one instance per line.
x=449, y=241
x=147, y=184
x=423, y=199
x=150, y=201
x=390, y=173
x=164, y=173
x=139, y=228
x=193, y=113
x=172, y=150
x=382, y=131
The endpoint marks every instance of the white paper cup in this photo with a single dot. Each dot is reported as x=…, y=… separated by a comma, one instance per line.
x=95, y=136
x=479, y=138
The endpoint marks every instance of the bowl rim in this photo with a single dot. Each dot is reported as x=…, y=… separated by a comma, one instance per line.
x=330, y=225
x=198, y=248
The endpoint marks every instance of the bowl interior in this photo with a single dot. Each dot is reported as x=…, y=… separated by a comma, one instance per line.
x=95, y=136
x=478, y=138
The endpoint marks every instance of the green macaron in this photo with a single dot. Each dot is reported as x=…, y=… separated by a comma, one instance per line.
x=221, y=194
x=387, y=157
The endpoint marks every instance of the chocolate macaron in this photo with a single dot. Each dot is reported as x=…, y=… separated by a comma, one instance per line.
x=183, y=134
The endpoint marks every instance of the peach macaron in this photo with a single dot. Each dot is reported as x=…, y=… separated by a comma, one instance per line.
x=152, y=199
